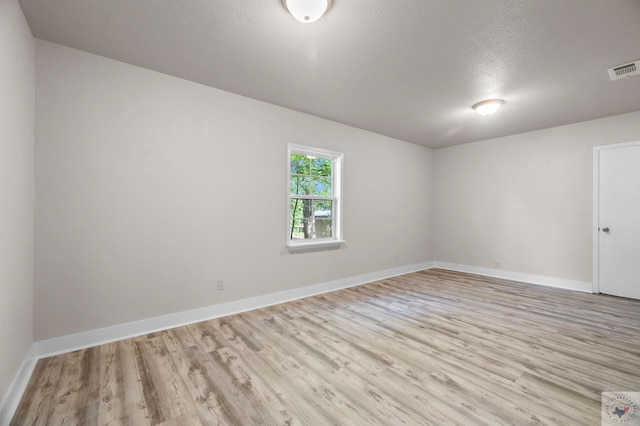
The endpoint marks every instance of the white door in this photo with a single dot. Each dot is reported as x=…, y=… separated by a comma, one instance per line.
x=618, y=215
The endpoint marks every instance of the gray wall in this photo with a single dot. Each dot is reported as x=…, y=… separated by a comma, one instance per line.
x=149, y=188
x=523, y=201
x=16, y=190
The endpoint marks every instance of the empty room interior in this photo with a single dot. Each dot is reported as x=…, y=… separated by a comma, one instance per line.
x=319, y=212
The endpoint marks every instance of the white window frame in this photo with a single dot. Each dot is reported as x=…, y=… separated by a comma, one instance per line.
x=336, y=183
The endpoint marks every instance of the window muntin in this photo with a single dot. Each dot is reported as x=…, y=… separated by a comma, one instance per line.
x=313, y=196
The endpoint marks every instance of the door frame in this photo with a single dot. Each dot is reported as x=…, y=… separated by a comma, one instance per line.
x=596, y=207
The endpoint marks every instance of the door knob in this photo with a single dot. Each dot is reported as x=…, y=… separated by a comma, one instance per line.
x=605, y=229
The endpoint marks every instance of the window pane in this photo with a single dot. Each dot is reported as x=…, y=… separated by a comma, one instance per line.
x=301, y=218
x=322, y=186
x=321, y=167
x=296, y=229
x=323, y=209
x=300, y=208
x=300, y=164
x=307, y=208
x=323, y=228
x=300, y=185
x=295, y=211
x=311, y=219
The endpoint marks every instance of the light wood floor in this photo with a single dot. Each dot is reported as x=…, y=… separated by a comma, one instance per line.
x=428, y=348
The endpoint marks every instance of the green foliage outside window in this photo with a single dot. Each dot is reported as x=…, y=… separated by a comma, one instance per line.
x=311, y=210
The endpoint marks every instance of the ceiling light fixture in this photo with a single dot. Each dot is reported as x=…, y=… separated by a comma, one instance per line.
x=307, y=11
x=488, y=107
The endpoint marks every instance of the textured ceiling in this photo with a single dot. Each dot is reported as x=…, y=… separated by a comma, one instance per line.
x=409, y=69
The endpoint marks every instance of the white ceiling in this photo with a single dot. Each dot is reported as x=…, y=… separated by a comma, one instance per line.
x=410, y=69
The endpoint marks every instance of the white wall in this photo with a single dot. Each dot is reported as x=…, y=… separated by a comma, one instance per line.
x=523, y=201
x=149, y=188
x=16, y=190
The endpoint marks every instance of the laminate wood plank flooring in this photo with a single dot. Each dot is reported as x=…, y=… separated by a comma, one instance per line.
x=429, y=348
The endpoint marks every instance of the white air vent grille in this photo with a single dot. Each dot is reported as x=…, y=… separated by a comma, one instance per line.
x=625, y=70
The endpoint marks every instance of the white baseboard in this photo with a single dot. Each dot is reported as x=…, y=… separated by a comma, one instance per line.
x=72, y=342
x=58, y=345
x=582, y=286
x=10, y=402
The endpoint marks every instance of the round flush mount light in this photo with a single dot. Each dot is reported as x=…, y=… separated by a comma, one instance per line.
x=488, y=107
x=307, y=11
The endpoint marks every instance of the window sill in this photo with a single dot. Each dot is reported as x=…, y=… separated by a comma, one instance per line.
x=315, y=245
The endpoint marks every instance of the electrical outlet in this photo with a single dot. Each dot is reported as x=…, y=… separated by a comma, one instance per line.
x=497, y=265
x=220, y=285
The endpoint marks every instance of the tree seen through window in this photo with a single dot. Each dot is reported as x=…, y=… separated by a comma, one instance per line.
x=311, y=211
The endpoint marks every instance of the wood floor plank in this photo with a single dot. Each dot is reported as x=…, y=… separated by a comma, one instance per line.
x=122, y=398
x=71, y=393
x=193, y=370
x=429, y=348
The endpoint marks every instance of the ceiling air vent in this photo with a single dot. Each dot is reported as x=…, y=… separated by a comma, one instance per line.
x=625, y=70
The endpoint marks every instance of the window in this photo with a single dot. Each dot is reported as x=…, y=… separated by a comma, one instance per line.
x=314, y=197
